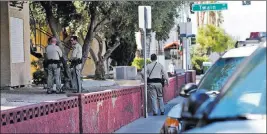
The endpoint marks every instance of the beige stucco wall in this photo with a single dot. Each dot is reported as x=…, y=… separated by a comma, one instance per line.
x=15, y=73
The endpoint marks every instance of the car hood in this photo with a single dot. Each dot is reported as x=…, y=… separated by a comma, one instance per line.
x=244, y=126
x=175, y=112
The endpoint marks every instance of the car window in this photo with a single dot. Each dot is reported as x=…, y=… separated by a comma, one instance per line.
x=219, y=73
x=247, y=93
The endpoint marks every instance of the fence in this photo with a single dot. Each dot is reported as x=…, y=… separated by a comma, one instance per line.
x=99, y=112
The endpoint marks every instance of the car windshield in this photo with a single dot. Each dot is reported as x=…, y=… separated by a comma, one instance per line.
x=247, y=93
x=219, y=73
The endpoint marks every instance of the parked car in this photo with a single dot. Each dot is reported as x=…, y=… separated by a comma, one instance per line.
x=212, y=81
x=206, y=66
x=241, y=105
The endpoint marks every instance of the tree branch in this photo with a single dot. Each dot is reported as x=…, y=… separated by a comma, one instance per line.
x=109, y=51
x=103, y=22
x=105, y=19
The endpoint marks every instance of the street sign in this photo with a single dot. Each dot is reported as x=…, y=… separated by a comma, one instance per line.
x=210, y=7
x=144, y=14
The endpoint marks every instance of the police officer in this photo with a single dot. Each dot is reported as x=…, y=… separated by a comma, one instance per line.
x=155, y=72
x=53, y=54
x=76, y=60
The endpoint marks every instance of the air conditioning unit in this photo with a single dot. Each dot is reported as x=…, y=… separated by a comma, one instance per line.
x=125, y=73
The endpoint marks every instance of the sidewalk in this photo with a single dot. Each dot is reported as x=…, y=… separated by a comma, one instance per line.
x=152, y=124
x=32, y=95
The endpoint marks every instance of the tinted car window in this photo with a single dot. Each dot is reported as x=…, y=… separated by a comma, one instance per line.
x=247, y=93
x=219, y=73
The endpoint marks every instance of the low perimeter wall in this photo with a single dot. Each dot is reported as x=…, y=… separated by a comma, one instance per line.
x=99, y=112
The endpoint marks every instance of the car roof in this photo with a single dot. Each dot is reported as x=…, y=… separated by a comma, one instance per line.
x=240, y=52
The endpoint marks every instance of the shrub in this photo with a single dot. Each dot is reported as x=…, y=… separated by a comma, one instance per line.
x=39, y=77
x=197, y=62
x=139, y=63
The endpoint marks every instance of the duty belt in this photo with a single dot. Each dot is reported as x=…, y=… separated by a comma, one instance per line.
x=76, y=62
x=154, y=80
x=53, y=61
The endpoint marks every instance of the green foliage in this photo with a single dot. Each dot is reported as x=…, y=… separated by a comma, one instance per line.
x=197, y=50
x=139, y=63
x=113, y=20
x=214, y=39
x=197, y=62
x=125, y=25
x=124, y=54
x=39, y=77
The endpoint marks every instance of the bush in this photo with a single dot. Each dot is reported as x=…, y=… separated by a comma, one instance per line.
x=39, y=77
x=139, y=63
x=197, y=62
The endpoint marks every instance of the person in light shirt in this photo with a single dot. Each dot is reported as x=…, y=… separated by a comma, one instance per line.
x=53, y=54
x=155, y=75
x=171, y=67
x=76, y=60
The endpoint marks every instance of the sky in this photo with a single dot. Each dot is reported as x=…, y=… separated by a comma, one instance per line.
x=240, y=20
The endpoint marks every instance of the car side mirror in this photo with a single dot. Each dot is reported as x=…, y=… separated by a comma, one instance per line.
x=188, y=89
x=193, y=103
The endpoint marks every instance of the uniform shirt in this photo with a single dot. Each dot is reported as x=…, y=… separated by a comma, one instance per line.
x=53, y=52
x=76, y=52
x=157, y=72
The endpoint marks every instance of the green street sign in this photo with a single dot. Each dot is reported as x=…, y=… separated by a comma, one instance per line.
x=210, y=7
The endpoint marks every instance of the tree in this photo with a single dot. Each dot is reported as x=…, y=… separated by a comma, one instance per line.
x=110, y=23
x=163, y=12
x=214, y=39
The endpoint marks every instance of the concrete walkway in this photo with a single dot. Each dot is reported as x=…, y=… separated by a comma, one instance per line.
x=31, y=95
x=152, y=124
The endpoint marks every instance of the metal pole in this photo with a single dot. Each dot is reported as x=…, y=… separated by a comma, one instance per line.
x=145, y=67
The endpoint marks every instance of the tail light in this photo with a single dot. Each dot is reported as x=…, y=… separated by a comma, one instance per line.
x=171, y=122
x=171, y=126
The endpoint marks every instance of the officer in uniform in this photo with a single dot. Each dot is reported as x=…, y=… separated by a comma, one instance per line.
x=155, y=76
x=53, y=55
x=76, y=60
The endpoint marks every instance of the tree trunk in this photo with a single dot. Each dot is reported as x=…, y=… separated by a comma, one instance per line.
x=100, y=70
x=89, y=36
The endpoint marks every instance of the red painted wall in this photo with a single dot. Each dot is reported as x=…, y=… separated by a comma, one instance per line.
x=98, y=112
x=170, y=91
x=105, y=112
x=55, y=117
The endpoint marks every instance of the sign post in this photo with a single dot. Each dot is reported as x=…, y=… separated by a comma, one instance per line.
x=209, y=7
x=144, y=13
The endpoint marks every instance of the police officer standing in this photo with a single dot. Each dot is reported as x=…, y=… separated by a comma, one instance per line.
x=155, y=72
x=76, y=60
x=53, y=54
